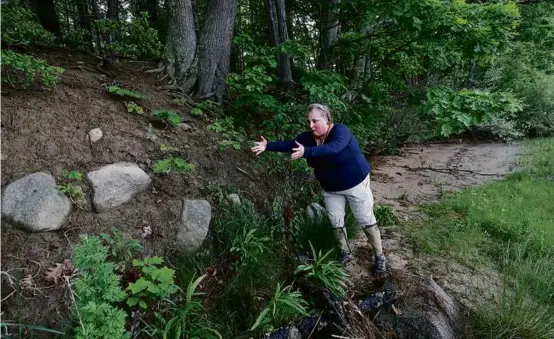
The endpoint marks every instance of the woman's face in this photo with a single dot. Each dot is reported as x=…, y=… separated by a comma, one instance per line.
x=319, y=125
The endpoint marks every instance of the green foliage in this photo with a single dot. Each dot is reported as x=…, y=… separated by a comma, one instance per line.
x=73, y=191
x=121, y=251
x=385, y=215
x=131, y=38
x=248, y=245
x=226, y=127
x=188, y=321
x=326, y=88
x=283, y=306
x=19, y=27
x=327, y=273
x=134, y=108
x=25, y=70
x=168, y=117
x=155, y=283
x=458, y=111
x=123, y=92
x=97, y=292
x=175, y=164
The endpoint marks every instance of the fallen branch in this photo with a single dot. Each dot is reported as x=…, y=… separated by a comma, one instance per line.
x=447, y=170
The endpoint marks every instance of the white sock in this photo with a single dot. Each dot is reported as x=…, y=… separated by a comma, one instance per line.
x=340, y=236
x=374, y=236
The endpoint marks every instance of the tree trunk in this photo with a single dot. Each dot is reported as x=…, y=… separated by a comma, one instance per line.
x=45, y=10
x=112, y=10
x=214, y=48
x=278, y=34
x=329, y=36
x=180, y=48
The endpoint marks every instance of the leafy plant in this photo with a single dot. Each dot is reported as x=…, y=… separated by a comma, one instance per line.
x=133, y=107
x=168, y=117
x=19, y=27
x=132, y=38
x=248, y=245
x=328, y=273
x=123, y=92
x=97, y=292
x=155, y=284
x=188, y=320
x=385, y=215
x=458, y=111
x=75, y=192
x=233, y=135
x=121, y=250
x=25, y=70
x=176, y=164
x=283, y=306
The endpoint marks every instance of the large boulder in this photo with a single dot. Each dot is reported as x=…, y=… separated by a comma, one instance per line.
x=116, y=184
x=194, y=224
x=33, y=203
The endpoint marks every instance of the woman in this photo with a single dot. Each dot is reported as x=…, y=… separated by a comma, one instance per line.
x=343, y=173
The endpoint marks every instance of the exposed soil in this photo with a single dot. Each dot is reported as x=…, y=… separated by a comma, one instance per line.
x=46, y=131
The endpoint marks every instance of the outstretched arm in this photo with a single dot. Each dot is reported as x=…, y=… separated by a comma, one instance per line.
x=341, y=138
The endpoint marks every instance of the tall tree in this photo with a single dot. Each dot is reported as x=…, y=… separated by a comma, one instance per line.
x=45, y=10
x=328, y=35
x=279, y=34
x=200, y=62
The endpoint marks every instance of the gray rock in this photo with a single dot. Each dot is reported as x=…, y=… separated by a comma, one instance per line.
x=234, y=198
x=315, y=210
x=95, y=135
x=34, y=204
x=116, y=184
x=195, y=223
x=184, y=127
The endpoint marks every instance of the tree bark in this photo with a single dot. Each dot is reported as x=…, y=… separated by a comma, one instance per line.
x=329, y=36
x=45, y=10
x=279, y=34
x=180, y=48
x=214, y=48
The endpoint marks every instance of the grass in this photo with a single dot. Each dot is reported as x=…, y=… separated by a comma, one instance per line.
x=509, y=223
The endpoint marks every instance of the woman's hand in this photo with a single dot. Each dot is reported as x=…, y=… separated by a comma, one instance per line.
x=260, y=146
x=298, y=151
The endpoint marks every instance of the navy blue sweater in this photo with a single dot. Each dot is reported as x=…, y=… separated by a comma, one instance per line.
x=338, y=163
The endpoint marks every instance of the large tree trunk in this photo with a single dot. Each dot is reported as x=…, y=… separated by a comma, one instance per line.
x=45, y=10
x=328, y=35
x=180, y=48
x=279, y=34
x=214, y=48
x=204, y=62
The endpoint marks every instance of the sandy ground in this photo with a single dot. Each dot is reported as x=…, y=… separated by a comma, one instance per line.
x=422, y=174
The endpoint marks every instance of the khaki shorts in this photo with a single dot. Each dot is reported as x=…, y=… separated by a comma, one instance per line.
x=360, y=199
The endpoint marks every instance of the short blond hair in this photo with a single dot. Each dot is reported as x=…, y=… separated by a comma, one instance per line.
x=323, y=109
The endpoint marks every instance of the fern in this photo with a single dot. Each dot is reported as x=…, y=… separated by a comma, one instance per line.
x=176, y=164
x=168, y=116
x=98, y=290
x=122, y=92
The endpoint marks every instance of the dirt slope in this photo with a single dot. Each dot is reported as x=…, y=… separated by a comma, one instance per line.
x=46, y=131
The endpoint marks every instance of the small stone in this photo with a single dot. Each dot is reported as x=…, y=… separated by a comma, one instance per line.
x=184, y=127
x=34, y=204
x=95, y=135
x=195, y=223
x=234, y=198
x=116, y=184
